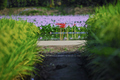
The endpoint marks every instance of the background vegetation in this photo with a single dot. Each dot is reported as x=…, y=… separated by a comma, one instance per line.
x=51, y=3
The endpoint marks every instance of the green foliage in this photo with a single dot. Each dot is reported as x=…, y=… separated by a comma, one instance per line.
x=87, y=2
x=32, y=12
x=32, y=2
x=103, y=42
x=3, y=4
x=22, y=3
x=48, y=28
x=45, y=32
x=100, y=25
x=18, y=48
x=65, y=3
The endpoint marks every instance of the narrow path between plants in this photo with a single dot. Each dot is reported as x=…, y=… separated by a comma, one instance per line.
x=62, y=66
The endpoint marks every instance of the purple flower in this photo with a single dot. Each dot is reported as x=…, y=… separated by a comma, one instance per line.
x=65, y=38
x=78, y=37
x=40, y=37
x=80, y=25
x=40, y=27
x=51, y=25
x=86, y=26
x=45, y=20
x=71, y=25
x=70, y=38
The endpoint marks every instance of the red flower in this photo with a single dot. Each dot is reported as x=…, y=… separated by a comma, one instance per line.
x=62, y=25
x=57, y=23
x=74, y=24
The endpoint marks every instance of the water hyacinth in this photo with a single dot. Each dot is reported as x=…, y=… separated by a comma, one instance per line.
x=48, y=24
x=40, y=37
x=78, y=20
x=70, y=38
x=78, y=28
x=65, y=38
x=78, y=37
x=40, y=27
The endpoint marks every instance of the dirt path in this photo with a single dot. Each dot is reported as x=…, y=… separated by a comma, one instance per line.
x=63, y=66
x=60, y=46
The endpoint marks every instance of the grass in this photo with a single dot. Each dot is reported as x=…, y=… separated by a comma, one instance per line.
x=65, y=49
x=44, y=8
x=33, y=12
x=20, y=57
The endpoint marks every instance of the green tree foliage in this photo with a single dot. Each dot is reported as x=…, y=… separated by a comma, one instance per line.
x=3, y=4
x=87, y=2
x=66, y=3
x=32, y=2
x=22, y=3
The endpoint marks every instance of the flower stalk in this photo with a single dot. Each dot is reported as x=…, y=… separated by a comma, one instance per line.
x=62, y=26
x=67, y=33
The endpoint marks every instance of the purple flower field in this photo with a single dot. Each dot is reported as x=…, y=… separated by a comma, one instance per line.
x=70, y=20
x=43, y=21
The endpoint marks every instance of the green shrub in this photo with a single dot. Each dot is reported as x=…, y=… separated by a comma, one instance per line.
x=103, y=42
x=31, y=12
x=103, y=23
x=18, y=48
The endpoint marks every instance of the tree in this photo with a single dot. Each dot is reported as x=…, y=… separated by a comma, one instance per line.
x=3, y=4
